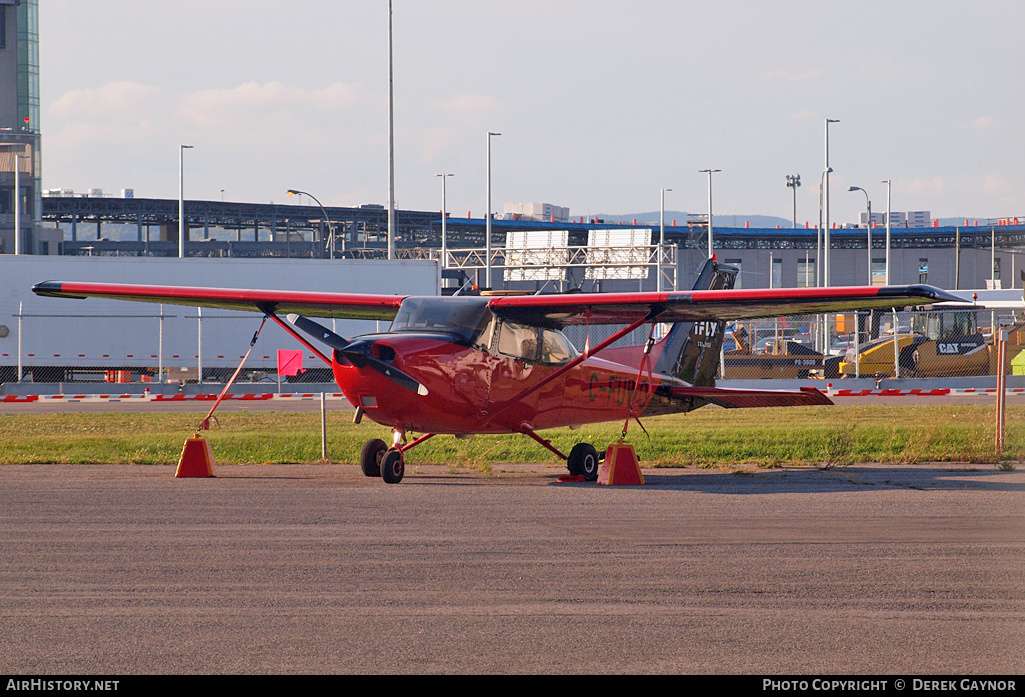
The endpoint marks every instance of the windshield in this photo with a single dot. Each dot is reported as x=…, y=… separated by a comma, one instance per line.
x=944, y=325
x=464, y=317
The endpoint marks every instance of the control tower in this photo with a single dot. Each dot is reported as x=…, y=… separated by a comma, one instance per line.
x=19, y=127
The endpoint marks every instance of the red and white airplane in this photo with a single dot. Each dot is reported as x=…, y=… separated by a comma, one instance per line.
x=467, y=365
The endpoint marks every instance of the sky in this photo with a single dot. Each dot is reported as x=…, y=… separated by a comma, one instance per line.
x=600, y=104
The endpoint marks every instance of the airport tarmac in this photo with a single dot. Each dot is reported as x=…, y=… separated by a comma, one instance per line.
x=898, y=570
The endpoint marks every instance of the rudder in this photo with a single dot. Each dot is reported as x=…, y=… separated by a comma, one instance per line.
x=691, y=350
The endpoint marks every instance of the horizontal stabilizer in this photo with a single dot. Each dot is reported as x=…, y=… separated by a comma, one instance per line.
x=731, y=398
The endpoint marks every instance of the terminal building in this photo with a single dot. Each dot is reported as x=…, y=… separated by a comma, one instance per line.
x=20, y=161
x=952, y=257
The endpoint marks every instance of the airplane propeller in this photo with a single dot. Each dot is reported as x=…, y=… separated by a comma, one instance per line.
x=358, y=352
x=318, y=331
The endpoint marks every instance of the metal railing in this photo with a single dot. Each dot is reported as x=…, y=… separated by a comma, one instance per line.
x=599, y=263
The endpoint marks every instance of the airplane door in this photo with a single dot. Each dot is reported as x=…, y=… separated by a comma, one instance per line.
x=472, y=379
x=514, y=368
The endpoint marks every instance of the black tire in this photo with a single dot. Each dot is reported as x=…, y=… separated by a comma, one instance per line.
x=393, y=466
x=583, y=460
x=370, y=457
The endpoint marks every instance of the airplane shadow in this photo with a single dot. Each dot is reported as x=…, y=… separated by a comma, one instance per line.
x=811, y=480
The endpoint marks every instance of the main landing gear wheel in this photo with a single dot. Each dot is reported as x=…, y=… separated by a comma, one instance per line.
x=583, y=460
x=370, y=457
x=393, y=466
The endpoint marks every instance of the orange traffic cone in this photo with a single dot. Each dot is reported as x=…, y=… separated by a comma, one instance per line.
x=620, y=466
x=196, y=460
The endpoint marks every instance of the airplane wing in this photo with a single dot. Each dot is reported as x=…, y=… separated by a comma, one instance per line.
x=557, y=310
x=710, y=305
x=281, y=302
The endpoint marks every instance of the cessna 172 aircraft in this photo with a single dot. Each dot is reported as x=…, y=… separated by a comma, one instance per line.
x=467, y=365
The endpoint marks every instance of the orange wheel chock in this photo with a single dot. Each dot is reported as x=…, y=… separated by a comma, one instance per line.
x=620, y=466
x=196, y=460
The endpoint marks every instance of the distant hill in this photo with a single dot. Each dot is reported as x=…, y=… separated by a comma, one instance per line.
x=651, y=218
x=755, y=221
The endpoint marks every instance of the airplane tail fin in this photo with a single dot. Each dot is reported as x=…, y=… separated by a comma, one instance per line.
x=691, y=350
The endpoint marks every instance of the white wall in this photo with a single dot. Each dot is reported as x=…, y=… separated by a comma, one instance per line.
x=90, y=332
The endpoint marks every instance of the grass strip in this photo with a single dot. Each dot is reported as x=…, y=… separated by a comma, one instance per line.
x=709, y=437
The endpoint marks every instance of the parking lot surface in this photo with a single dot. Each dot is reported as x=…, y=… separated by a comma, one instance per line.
x=123, y=569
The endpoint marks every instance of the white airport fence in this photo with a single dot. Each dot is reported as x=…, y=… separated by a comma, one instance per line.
x=172, y=345
x=180, y=345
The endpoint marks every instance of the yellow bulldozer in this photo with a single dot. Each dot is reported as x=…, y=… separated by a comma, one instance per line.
x=940, y=343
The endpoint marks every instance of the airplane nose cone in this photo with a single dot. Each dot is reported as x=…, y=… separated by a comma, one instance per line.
x=358, y=352
x=379, y=356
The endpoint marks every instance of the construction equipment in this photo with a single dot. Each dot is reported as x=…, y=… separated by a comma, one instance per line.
x=773, y=358
x=940, y=343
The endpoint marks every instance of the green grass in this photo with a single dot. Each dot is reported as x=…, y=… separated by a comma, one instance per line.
x=710, y=437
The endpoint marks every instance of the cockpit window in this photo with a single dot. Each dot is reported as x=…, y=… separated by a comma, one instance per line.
x=464, y=317
x=518, y=341
x=528, y=343
x=556, y=348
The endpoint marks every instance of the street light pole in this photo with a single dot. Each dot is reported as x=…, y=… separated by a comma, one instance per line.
x=444, y=207
x=825, y=196
x=868, y=226
x=819, y=274
x=391, y=145
x=793, y=182
x=181, y=199
x=487, y=221
x=887, y=182
x=17, y=214
x=330, y=227
x=710, y=172
x=662, y=218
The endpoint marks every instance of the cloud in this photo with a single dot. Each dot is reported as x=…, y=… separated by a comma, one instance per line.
x=996, y=185
x=805, y=114
x=470, y=107
x=128, y=108
x=433, y=142
x=274, y=105
x=115, y=101
x=984, y=122
x=104, y=117
x=921, y=187
x=880, y=66
x=126, y=130
x=786, y=76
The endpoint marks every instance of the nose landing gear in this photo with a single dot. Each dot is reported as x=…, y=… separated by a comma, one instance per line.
x=393, y=466
x=370, y=457
x=378, y=460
